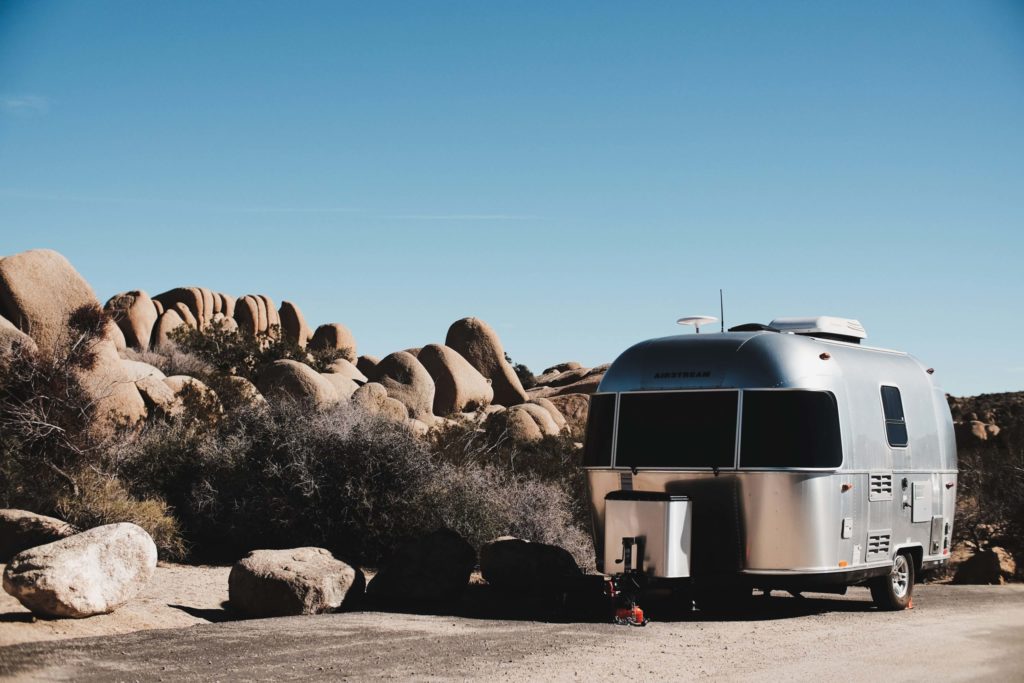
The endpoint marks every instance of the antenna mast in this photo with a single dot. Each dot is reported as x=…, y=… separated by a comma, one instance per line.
x=721, y=308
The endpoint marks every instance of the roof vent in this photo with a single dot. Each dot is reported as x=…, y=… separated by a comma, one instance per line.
x=823, y=327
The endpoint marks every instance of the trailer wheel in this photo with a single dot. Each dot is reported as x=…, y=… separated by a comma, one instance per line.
x=894, y=591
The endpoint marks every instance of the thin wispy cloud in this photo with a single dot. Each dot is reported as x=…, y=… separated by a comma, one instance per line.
x=216, y=207
x=462, y=217
x=24, y=105
x=171, y=203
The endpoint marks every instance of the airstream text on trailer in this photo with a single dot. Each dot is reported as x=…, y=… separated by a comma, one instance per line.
x=780, y=456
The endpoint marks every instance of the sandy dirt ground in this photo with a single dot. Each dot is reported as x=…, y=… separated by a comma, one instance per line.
x=177, y=596
x=953, y=633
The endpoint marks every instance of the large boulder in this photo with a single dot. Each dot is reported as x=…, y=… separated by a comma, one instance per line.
x=992, y=566
x=342, y=384
x=135, y=315
x=553, y=411
x=458, y=386
x=435, y=567
x=540, y=415
x=114, y=396
x=562, y=367
x=21, y=530
x=335, y=337
x=246, y=391
x=185, y=387
x=247, y=314
x=168, y=321
x=366, y=363
x=93, y=572
x=574, y=408
x=346, y=369
x=293, y=324
x=186, y=315
x=518, y=425
x=273, y=319
x=280, y=583
x=479, y=344
x=373, y=398
x=512, y=564
x=298, y=381
x=407, y=381
x=39, y=290
x=190, y=302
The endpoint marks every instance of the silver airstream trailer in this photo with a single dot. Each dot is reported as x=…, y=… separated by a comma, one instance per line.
x=782, y=456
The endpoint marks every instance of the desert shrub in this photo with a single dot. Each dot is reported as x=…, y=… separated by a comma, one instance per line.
x=283, y=477
x=555, y=460
x=51, y=460
x=102, y=499
x=483, y=502
x=45, y=416
x=172, y=361
x=525, y=375
x=233, y=352
x=339, y=478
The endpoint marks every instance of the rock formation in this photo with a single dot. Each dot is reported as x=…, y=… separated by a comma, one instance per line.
x=298, y=381
x=39, y=290
x=479, y=344
x=407, y=381
x=293, y=324
x=458, y=386
x=335, y=336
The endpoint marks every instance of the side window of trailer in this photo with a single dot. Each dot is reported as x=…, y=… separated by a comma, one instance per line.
x=895, y=421
x=790, y=429
x=597, y=448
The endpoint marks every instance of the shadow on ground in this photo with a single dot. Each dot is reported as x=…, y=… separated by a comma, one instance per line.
x=484, y=602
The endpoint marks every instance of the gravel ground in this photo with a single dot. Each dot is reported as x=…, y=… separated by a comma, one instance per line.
x=953, y=633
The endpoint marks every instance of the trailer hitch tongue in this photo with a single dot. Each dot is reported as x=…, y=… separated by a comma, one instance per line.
x=624, y=588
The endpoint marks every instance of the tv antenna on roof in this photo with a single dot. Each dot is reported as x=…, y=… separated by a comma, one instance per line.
x=697, y=321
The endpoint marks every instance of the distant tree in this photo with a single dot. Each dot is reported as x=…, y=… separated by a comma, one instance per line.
x=525, y=375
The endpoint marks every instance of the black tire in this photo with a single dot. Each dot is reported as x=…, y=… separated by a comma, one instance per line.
x=894, y=591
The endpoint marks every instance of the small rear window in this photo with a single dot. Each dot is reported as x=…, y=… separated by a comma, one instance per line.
x=597, y=445
x=895, y=421
x=790, y=429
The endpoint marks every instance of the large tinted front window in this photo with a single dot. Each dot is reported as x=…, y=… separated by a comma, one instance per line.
x=677, y=429
x=597, y=448
x=790, y=429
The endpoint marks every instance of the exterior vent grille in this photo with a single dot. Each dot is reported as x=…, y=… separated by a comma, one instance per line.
x=626, y=481
x=880, y=486
x=878, y=545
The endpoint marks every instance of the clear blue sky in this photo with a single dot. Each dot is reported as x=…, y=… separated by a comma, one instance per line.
x=577, y=174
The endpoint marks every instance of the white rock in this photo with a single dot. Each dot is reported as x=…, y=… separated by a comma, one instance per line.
x=93, y=572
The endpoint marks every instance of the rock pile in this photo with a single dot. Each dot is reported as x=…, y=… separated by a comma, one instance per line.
x=467, y=377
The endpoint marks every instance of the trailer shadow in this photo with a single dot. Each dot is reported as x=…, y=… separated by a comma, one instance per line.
x=485, y=603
